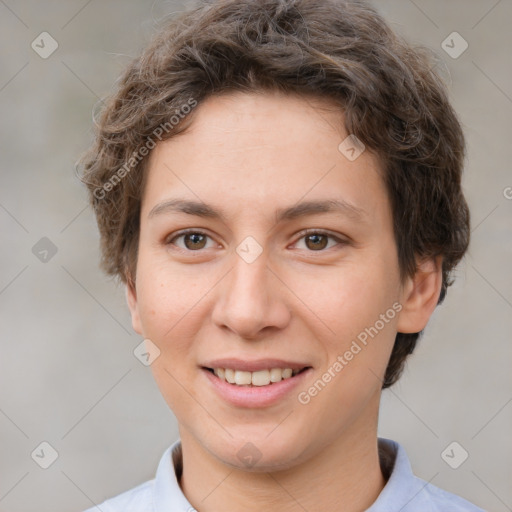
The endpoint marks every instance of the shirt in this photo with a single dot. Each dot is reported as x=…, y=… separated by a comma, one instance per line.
x=403, y=491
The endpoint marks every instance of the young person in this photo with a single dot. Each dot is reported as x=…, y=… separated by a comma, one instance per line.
x=278, y=185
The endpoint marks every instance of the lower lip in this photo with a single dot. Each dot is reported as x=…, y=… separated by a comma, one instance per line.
x=255, y=396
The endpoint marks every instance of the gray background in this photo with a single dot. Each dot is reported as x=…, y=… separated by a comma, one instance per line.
x=68, y=373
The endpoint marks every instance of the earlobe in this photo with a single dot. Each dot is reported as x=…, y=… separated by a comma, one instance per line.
x=131, y=300
x=420, y=296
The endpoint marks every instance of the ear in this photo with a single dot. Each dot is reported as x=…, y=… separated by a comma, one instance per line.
x=420, y=295
x=131, y=299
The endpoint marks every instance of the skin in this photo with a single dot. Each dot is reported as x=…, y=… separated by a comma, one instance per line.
x=250, y=155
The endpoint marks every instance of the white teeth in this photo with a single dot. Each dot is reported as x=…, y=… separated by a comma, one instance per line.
x=242, y=378
x=261, y=378
x=258, y=378
x=287, y=373
x=230, y=375
x=276, y=374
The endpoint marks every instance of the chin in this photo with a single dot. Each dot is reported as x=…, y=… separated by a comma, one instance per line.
x=260, y=453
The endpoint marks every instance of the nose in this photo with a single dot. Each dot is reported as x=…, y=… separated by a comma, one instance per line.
x=251, y=299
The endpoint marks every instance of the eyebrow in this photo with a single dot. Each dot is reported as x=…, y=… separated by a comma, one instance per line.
x=302, y=209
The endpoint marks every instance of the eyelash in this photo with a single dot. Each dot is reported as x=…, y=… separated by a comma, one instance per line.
x=302, y=234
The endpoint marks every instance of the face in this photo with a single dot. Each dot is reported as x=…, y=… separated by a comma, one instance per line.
x=286, y=260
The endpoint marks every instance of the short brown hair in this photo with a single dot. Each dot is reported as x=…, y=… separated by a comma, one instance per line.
x=392, y=99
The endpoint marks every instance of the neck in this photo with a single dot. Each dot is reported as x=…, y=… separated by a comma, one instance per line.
x=345, y=473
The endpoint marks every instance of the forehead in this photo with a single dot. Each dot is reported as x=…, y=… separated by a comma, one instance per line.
x=262, y=151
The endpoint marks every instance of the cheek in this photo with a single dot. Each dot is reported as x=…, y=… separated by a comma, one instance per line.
x=358, y=324
x=347, y=299
x=168, y=305
x=173, y=303
x=164, y=291
x=354, y=368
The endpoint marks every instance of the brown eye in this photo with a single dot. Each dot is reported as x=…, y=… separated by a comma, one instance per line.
x=192, y=240
x=316, y=241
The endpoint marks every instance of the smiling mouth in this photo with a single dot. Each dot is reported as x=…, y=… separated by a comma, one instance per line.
x=257, y=378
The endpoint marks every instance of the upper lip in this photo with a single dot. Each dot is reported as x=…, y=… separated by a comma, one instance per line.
x=253, y=366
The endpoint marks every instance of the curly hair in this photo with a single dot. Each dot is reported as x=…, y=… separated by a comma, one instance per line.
x=391, y=96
